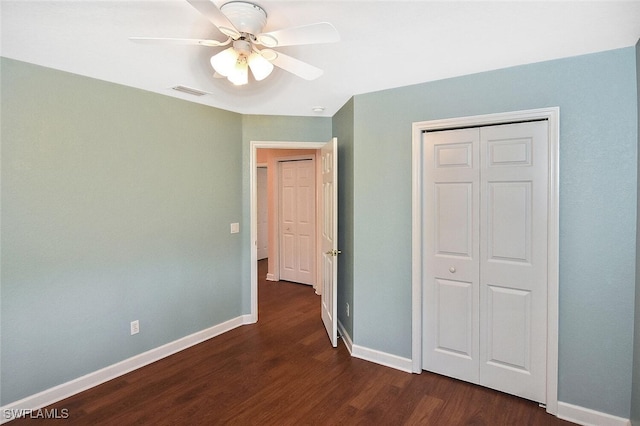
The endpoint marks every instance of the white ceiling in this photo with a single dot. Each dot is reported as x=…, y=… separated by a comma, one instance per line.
x=384, y=44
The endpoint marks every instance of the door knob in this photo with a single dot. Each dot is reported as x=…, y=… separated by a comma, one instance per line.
x=333, y=252
x=452, y=269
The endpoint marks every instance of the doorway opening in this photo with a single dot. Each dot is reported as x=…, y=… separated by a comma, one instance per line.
x=253, y=162
x=289, y=198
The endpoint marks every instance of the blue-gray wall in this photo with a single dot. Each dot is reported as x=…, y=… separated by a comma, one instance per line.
x=635, y=392
x=598, y=166
x=343, y=130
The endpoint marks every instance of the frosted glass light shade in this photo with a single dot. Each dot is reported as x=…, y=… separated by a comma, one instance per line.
x=260, y=67
x=240, y=73
x=225, y=62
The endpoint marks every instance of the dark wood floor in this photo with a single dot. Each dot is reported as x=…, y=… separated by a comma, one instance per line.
x=283, y=371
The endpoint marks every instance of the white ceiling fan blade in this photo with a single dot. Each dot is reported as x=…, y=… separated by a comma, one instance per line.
x=322, y=32
x=293, y=65
x=215, y=16
x=188, y=41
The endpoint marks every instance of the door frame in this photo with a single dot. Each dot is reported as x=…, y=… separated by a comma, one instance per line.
x=552, y=115
x=262, y=166
x=253, y=208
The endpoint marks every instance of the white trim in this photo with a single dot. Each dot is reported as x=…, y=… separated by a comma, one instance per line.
x=382, y=358
x=75, y=386
x=550, y=114
x=253, y=207
x=345, y=337
x=416, y=248
x=588, y=417
x=310, y=156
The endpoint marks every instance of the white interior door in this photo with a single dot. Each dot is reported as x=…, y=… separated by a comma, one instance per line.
x=329, y=239
x=485, y=259
x=297, y=221
x=263, y=213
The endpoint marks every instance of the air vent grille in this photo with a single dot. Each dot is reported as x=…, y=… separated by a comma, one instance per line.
x=189, y=90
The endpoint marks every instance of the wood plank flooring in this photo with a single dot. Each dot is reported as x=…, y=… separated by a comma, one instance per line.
x=283, y=371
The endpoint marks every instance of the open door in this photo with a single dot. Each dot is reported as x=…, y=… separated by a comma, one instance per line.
x=329, y=241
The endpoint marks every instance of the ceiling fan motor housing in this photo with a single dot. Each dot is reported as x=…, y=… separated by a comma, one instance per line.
x=242, y=46
x=246, y=17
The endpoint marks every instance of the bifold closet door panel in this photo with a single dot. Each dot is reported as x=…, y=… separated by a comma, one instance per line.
x=451, y=296
x=513, y=258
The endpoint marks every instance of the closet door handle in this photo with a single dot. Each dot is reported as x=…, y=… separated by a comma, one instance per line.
x=452, y=269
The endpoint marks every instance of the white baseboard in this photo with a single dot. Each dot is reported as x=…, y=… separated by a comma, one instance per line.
x=65, y=390
x=588, y=417
x=382, y=358
x=249, y=319
x=345, y=337
x=271, y=277
x=569, y=412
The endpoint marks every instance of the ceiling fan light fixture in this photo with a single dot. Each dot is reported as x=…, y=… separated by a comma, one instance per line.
x=240, y=74
x=225, y=62
x=242, y=22
x=260, y=67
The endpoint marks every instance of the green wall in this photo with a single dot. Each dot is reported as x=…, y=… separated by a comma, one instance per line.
x=343, y=130
x=598, y=167
x=116, y=205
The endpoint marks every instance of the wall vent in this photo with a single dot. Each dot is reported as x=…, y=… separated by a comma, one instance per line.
x=189, y=90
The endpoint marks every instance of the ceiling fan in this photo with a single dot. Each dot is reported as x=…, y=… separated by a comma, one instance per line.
x=242, y=22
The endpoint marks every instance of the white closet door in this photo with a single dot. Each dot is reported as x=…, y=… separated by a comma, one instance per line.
x=513, y=259
x=297, y=221
x=451, y=296
x=485, y=259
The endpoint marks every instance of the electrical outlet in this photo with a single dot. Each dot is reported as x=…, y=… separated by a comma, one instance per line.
x=135, y=327
x=347, y=309
x=235, y=228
